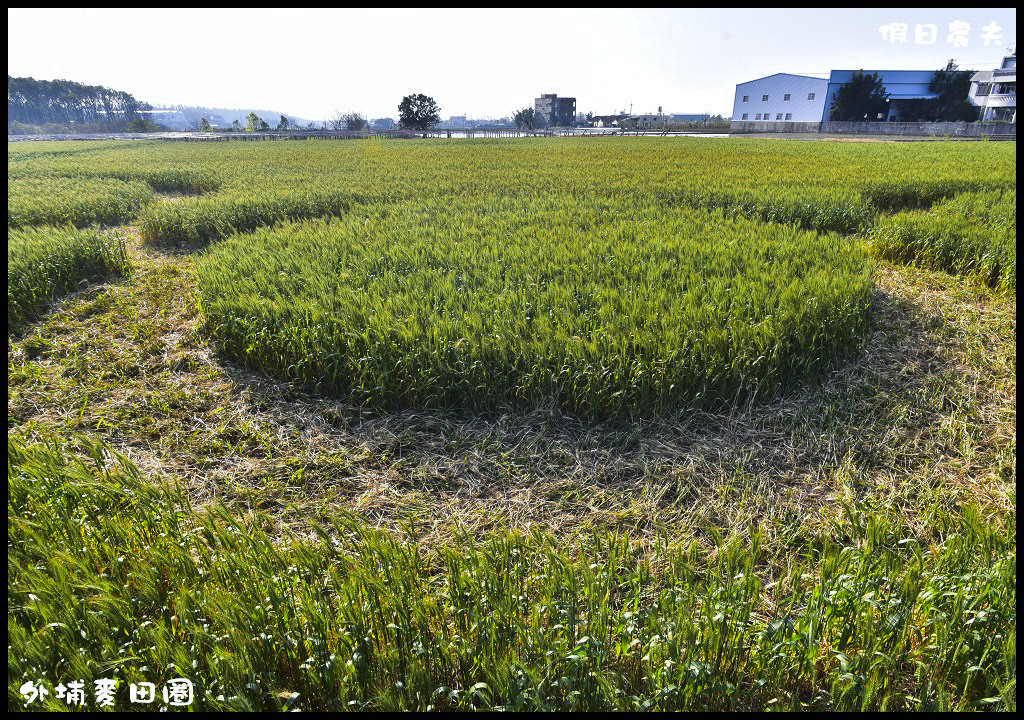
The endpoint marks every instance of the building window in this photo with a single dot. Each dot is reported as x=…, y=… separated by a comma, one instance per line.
x=758, y=116
x=810, y=96
x=744, y=116
x=745, y=98
x=785, y=98
x=789, y=116
x=764, y=98
x=778, y=116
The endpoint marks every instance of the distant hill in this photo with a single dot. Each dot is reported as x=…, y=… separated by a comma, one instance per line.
x=188, y=117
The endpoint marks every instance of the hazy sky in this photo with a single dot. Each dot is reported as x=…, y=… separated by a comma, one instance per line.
x=481, y=63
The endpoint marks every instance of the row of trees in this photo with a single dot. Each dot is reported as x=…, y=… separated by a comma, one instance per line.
x=864, y=97
x=415, y=112
x=67, y=103
x=63, y=102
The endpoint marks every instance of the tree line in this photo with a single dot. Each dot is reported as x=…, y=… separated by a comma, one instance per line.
x=416, y=112
x=64, y=102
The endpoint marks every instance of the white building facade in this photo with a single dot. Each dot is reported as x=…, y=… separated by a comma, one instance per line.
x=782, y=98
x=995, y=92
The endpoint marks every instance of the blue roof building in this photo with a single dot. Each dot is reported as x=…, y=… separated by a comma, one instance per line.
x=904, y=87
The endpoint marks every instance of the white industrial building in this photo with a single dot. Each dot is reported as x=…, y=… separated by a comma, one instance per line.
x=801, y=102
x=785, y=98
x=780, y=98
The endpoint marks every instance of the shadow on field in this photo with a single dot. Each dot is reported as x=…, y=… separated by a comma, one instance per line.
x=872, y=416
x=928, y=403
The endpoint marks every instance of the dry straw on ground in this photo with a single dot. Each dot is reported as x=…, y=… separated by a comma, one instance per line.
x=925, y=413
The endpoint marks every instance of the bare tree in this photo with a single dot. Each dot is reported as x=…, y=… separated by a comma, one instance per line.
x=355, y=121
x=347, y=121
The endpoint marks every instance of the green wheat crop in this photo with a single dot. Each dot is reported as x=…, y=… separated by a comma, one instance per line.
x=111, y=576
x=601, y=307
x=45, y=263
x=970, y=234
x=80, y=202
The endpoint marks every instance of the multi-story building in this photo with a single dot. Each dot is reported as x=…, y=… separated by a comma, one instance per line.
x=995, y=91
x=549, y=110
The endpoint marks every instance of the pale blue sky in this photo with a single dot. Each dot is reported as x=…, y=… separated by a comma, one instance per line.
x=481, y=63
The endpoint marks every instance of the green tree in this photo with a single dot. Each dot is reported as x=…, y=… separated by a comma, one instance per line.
x=952, y=87
x=236, y=126
x=418, y=112
x=524, y=119
x=142, y=125
x=204, y=125
x=253, y=122
x=283, y=125
x=862, y=98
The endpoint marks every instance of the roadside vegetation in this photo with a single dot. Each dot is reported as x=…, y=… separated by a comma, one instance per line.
x=287, y=467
